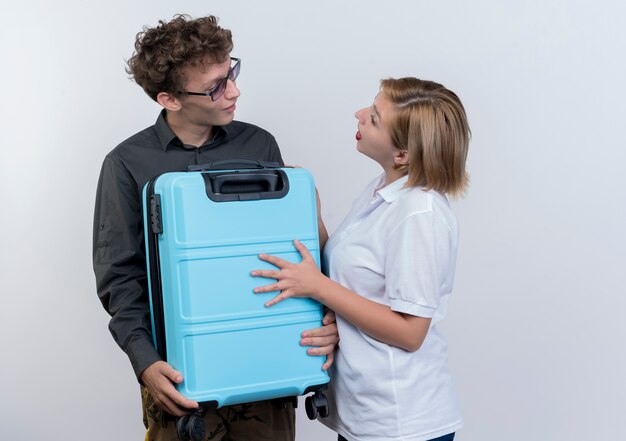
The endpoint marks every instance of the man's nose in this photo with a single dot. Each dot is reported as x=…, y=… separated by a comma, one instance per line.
x=232, y=91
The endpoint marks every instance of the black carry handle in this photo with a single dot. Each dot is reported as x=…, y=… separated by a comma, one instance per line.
x=228, y=164
x=230, y=186
x=245, y=183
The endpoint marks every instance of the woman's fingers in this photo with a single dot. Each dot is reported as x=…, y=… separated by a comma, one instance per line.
x=303, y=250
x=267, y=288
x=289, y=277
x=268, y=274
x=279, y=298
x=276, y=261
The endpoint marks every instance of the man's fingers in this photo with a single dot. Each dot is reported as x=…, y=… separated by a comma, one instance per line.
x=160, y=379
x=173, y=400
x=172, y=374
x=329, y=340
x=181, y=401
x=166, y=403
x=321, y=350
x=330, y=358
x=323, y=331
x=322, y=340
x=329, y=318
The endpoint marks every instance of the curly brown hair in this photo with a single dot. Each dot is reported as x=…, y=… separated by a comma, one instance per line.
x=162, y=51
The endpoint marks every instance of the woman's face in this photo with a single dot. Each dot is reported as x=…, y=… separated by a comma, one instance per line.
x=373, y=138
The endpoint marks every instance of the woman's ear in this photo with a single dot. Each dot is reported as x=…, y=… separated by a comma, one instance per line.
x=168, y=101
x=401, y=158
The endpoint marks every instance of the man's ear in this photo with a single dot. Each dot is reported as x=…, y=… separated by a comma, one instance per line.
x=401, y=157
x=168, y=101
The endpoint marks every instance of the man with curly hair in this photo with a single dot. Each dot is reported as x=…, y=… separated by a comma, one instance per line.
x=186, y=67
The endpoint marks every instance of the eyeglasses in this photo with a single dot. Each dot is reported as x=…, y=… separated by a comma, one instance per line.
x=220, y=87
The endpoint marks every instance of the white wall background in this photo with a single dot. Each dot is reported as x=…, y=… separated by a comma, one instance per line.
x=536, y=324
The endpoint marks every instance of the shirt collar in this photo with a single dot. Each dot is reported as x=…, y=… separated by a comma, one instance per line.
x=393, y=191
x=167, y=136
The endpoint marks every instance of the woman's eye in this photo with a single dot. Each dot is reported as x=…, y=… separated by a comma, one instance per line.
x=372, y=120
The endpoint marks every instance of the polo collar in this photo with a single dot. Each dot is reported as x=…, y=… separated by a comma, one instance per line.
x=393, y=191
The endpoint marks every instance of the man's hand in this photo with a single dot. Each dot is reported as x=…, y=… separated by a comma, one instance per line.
x=324, y=339
x=160, y=378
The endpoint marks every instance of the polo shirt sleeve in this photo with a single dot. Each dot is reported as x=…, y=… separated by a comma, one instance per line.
x=120, y=265
x=418, y=261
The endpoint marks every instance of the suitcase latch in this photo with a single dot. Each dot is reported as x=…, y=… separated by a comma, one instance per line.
x=155, y=214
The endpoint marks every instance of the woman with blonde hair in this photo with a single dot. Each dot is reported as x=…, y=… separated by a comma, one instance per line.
x=390, y=270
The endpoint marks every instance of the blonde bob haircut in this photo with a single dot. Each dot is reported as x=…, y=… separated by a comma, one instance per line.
x=429, y=122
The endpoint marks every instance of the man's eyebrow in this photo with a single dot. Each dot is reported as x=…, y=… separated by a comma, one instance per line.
x=213, y=82
x=207, y=87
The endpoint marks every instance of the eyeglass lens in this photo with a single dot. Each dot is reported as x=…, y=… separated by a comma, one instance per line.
x=221, y=87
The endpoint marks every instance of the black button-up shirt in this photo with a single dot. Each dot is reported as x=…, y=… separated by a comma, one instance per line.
x=118, y=240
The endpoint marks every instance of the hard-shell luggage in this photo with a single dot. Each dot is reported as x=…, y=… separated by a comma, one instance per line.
x=204, y=230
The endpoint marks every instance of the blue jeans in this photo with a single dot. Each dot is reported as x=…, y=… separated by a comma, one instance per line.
x=448, y=437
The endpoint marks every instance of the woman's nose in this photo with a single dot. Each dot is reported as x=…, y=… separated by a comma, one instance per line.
x=358, y=114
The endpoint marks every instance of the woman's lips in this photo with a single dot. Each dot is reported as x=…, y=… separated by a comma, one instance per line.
x=358, y=135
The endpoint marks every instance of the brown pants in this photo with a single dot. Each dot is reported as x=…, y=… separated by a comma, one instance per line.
x=258, y=421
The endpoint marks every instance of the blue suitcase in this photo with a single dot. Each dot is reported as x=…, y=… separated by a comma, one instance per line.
x=204, y=230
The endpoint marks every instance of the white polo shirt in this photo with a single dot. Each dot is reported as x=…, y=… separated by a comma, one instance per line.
x=397, y=247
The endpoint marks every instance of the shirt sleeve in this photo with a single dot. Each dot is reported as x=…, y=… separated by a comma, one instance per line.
x=418, y=261
x=274, y=151
x=120, y=265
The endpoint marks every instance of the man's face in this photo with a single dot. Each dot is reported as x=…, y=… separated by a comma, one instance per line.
x=202, y=110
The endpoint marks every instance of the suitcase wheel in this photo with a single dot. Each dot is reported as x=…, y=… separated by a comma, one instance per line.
x=190, y=428
x=315, y=405
x=181, y=428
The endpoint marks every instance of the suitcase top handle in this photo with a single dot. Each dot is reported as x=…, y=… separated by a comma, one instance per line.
x=250, y=185
x=229, y=164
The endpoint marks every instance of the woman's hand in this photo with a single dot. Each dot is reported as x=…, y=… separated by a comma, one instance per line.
x=302, y=279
